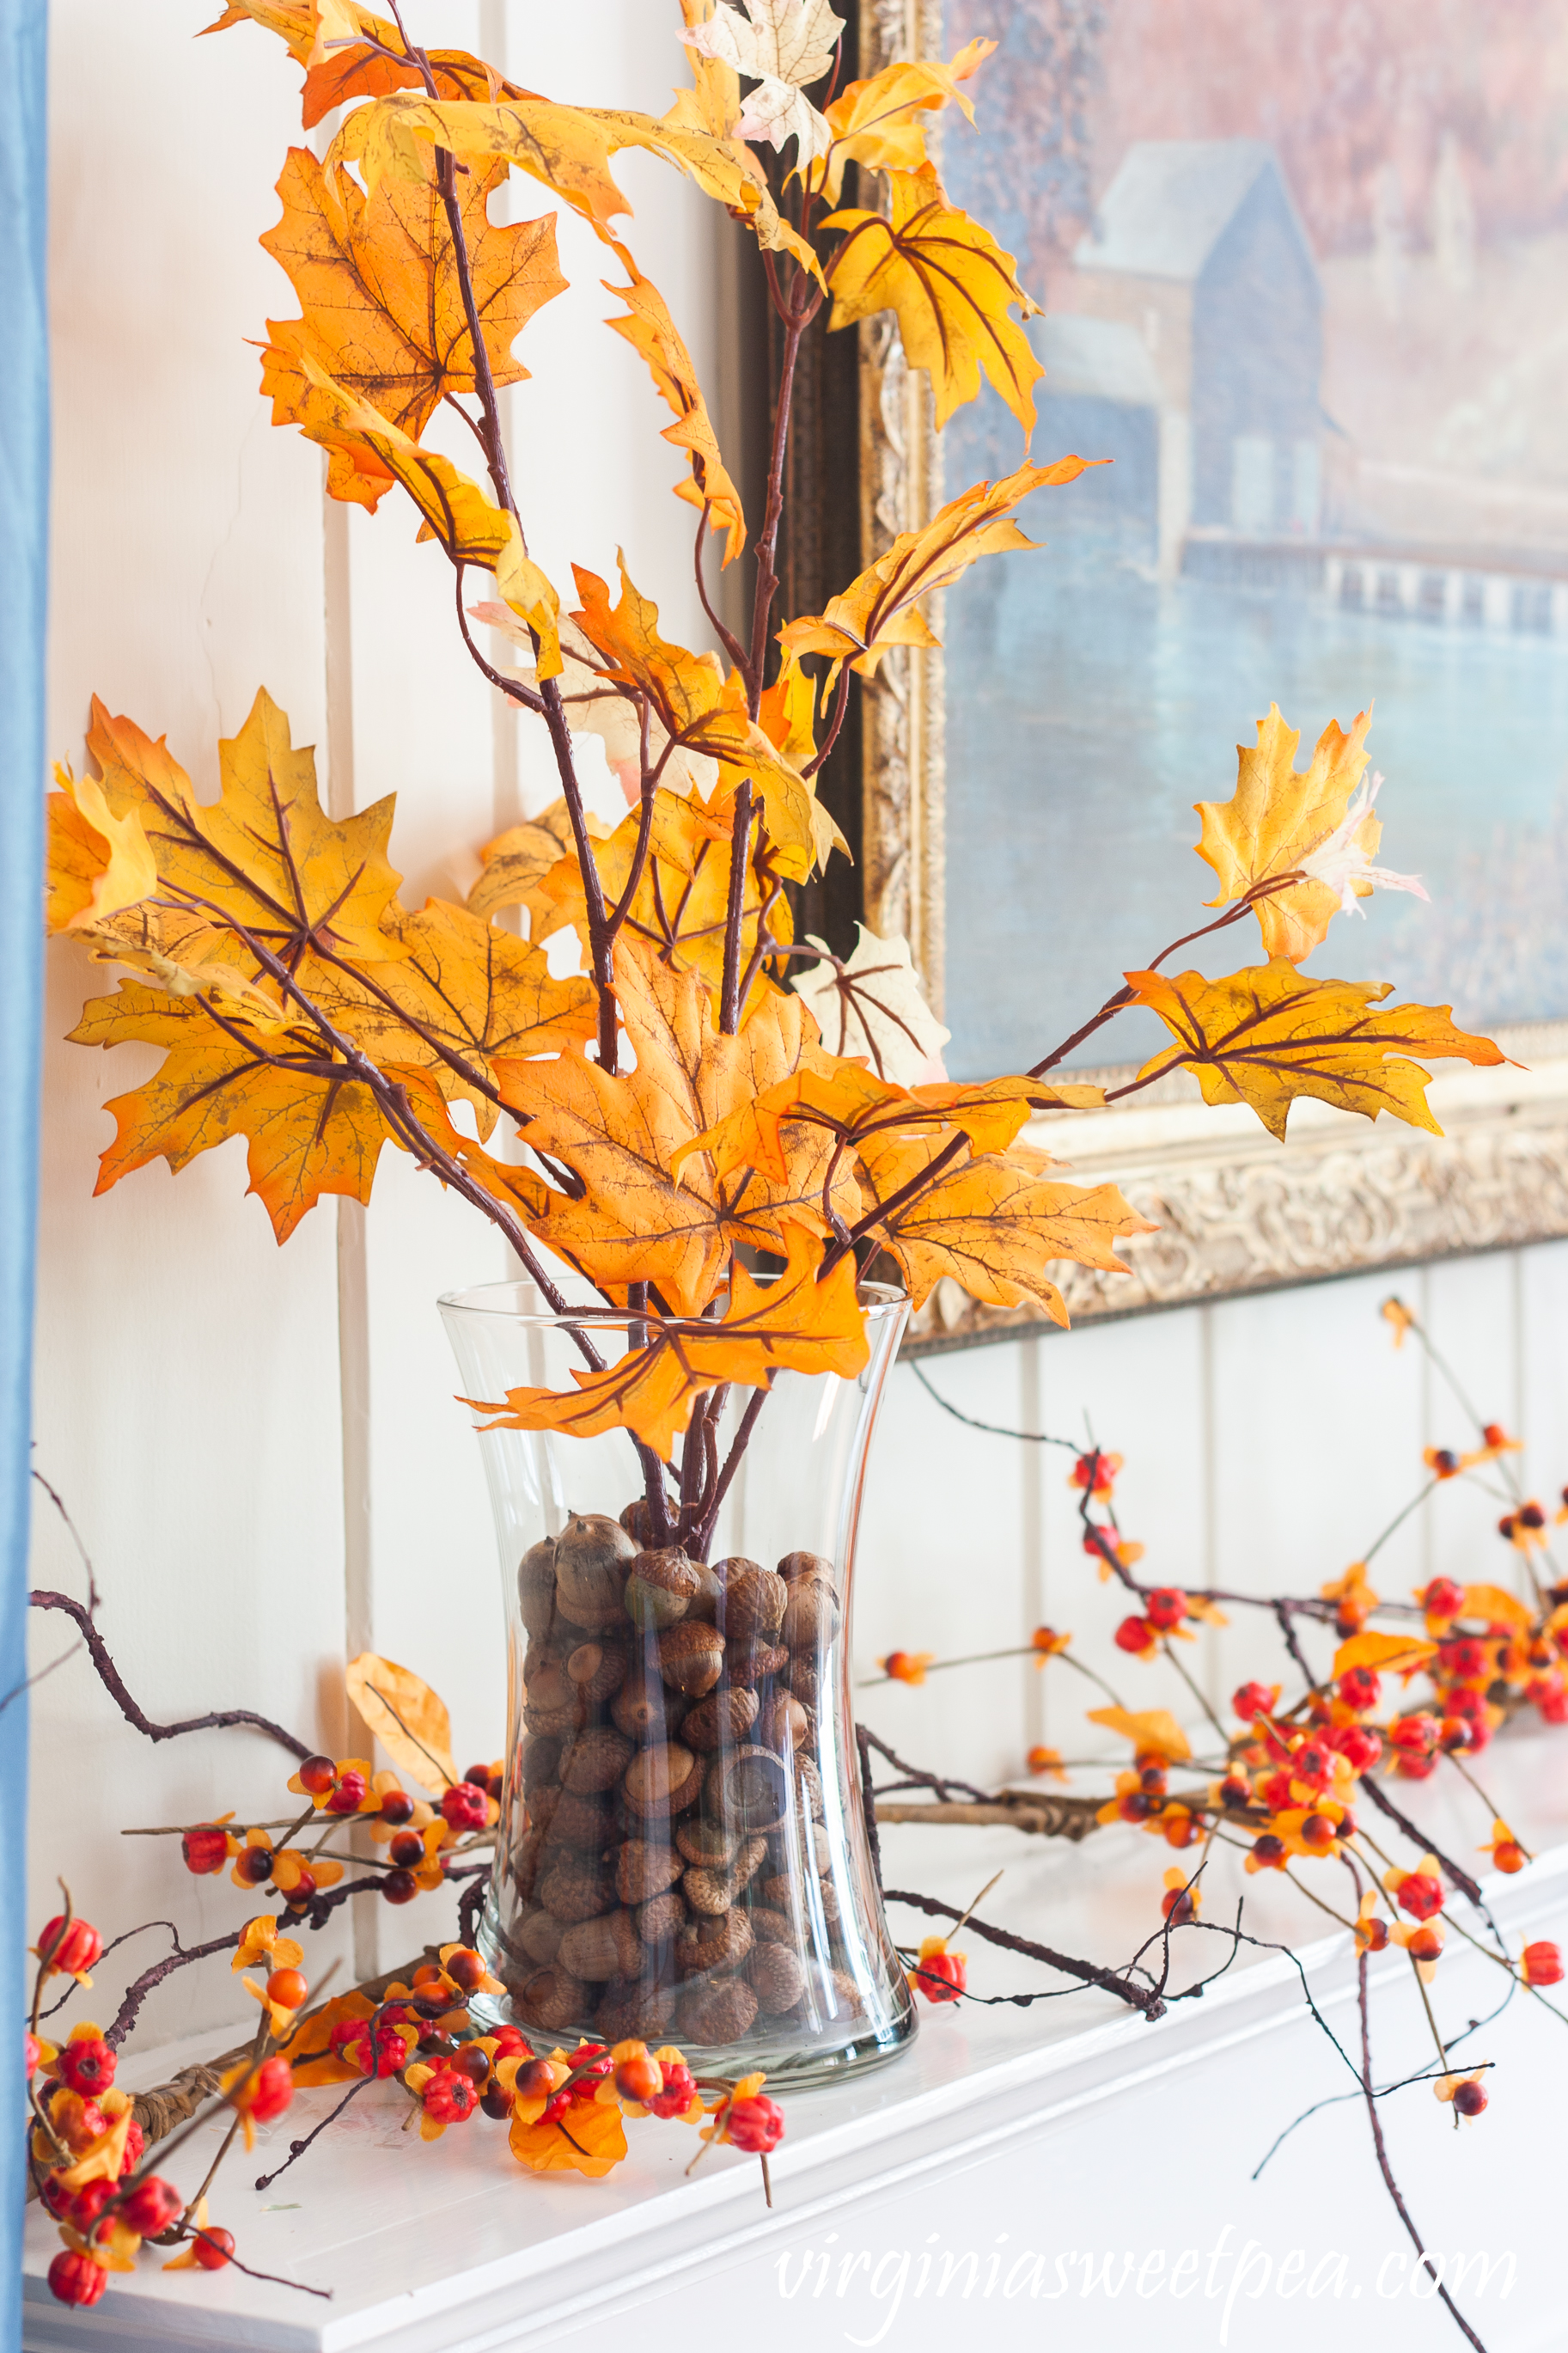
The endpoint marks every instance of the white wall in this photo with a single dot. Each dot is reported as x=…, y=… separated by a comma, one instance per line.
x=261, y=1448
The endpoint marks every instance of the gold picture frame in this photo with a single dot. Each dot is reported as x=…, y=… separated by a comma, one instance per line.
x=1234, y=1212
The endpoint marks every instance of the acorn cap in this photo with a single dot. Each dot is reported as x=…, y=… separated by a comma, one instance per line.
x=748, y=1788
x=660, y=1589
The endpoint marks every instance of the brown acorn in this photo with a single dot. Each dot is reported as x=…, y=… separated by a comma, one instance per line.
x=775, y=1974
x=645, y=1870
x=707, y=1889
x=703, y=1840
x=809, y=1782
x=579, y=1821
x=660, y=1589
x=804, y=1681
x=708, y=1598
x=811, y=1616
x=539, y=1935
x=773, y=1927
x=639, y=2011
x=541, y=1757
x=754, y=1601
x=796, y=1565
x=592, y=1553
x=661, y=1917
x=552, y=1703
x=645, y=1709
x=553, y=1999
x=598, y=1671
x=719, y=1721
x=573, y=1888
x=608, y=1947
x=638, y=1522
x=783, y=1723
x=594, y=1760
x=541, y=1805
x=745, y=1663
x=536, y=1586
x=748, y=1789
x=662, y=1780
x=721, y=1942
x=690, y=1658
x=720, y=2011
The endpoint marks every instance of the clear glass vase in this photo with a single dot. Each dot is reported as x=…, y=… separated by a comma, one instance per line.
x=682, y=1853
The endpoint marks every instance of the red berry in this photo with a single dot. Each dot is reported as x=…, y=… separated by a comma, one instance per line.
x=73, y=1948
x=639, y=2077
x=1542, y=1964
x=509, y=2042
x=204, y=1849
x=465, y=1968
x=152, y=2206
x=269, y=2091
x=392, y=2051
x=1494, y=1434
x=287, y=1987
x=537, y=2077
x=87, y=2065
x=400, y=1888
x=1508, y=1856
x=211, y=2247
x=1469, y=2098
x=1135, y=1807
x=1360, y=1688
x=480, y=1775
x=474, y=2063
x=1311, y=1765
x=1253, y=1699
x=397, y=1806
x=301, y=1892
x=77, y=2279
x=253, y=1864
x=676, y=2094
x=1375, y=1934
x=1531, y=1517
x=1269, y=1853
x=317, y=1775
x=496, y=2101
x=349, y=1794
x=1359, y=1746
x=1153, y=1778
x=941, y=1977
x=77, y=2122
x=464, y=1808
x=135, y=2148
x=1135, y=1635
x=407, y=1847
x=1415, y=1735
x=449, y=2096
x=1442, y=1598
x=1319, y=1831
x=1176, y=1903
x=755, y=2125
x=1425, y=1945
x=84, y=2210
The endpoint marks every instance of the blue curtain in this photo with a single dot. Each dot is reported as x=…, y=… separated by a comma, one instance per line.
x=24, y=558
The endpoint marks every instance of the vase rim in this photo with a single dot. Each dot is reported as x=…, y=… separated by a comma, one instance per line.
x=879, y=1300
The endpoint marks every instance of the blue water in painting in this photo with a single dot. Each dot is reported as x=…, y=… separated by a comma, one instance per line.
x=1089, y=707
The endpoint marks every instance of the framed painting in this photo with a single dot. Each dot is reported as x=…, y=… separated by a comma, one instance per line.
x=1302, y=275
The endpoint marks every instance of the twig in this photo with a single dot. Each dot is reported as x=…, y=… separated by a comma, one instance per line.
x=1087, y=1972
x=109, y=1674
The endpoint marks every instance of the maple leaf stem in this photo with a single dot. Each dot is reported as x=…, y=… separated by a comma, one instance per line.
x=513, y=687
x=727, y=638
x=735, y=912
x=797, y=315
x=840, y=705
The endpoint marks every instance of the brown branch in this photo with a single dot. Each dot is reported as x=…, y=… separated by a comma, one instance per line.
x=1087, y=1972
x=735, y=910
x=109, y=1675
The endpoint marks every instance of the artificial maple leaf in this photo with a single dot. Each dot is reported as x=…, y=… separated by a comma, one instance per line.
x=1269, y=1034
x=699, y=708
x=460, y=985
x=713, y=102
x=407, y=1717
x=309, y=2050
x=951, y=287
x=1496, y=1606
x=96, y=864
x=790, y=1322
x=1385, y=1653
x=589, y=2139
x=521, y=857
x=790, y=41
x=635, y=1222
x=1151, y=1730
x=508, y=1181
x=454, y=507
x=263, y=856
x=680, y=905
x=363, y=71
x=872, y=1003
x=1315, y=822
x=377, y=282
x=878, y=121
x=881, y=608
x=294, y=22
x=990, y=1222
x=313, y=1126
x=652, y=333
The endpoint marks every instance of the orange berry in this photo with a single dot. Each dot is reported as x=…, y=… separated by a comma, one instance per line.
x=287, y=1987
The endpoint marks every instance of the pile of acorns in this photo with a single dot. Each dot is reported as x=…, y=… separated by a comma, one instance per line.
x=673, y=1877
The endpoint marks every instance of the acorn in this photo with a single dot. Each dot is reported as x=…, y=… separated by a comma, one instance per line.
x=608, y=1947
x=804, y=1681
x=746, y=1663
x=579, y=1821
x=660, y=1780
x=796, y=1566
x=811, y=1617
x=809, y=1782
x=536, y=1586
x=645, y=1870
x=595, y=1760
x=573, y=1888
x=598, y=1671
x=660, y=1587
x=775, y=1974
x=553, y=1999
x=539, y=1935
x=638, y=1522
x=721, y=1942
x=661, y=1917
x=754, y=1599
x=709, y=1600
x=690, y=1658
x=783, y=1723
x=773, y=1927
x=719, y=1721
x=721, y=2011
x=635, y=2012
x=703, y=1840
x=553, y=1702
x=645, y=1709
x=707, y=1889
x=748, y=1789
x=540, y=1759
x=590, y=1557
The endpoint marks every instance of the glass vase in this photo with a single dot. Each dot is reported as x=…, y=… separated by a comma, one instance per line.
x=682, y=1853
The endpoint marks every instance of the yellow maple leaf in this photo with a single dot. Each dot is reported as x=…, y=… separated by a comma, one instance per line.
x=590, y=2139
x=952, y=287
x=793, y=1322
x=878, y=121
x=1269, y=1034
x=1152, y=1730
x=654, y=336
x=881, y=608
x=1315, y=822
x=1385, y=1653
x=96, y=864
x=377, y=282
x=521, y=857
x=1497, y=1607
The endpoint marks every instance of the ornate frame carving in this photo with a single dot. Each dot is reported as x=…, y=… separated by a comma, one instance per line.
x=1236, y=1212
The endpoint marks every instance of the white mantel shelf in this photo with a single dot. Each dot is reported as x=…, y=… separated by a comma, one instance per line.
x=1070, y=2125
